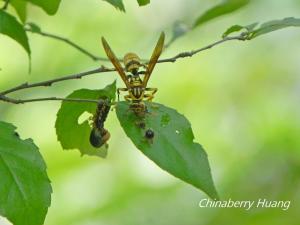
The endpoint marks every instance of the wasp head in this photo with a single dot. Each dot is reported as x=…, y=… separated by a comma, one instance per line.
x=132, y=63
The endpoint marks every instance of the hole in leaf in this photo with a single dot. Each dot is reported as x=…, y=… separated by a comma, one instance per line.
x=84, y=117
x=177, y=132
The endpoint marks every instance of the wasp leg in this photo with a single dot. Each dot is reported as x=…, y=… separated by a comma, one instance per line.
x=119, y=90
x=127, y=98
x=113, y=105
x=150, y=96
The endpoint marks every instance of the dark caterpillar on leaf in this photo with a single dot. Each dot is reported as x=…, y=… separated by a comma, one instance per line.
x=99, y=136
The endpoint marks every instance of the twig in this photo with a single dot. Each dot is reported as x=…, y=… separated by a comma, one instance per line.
x=21, y=101
x=71, y=43
x=50, y=82
x=191, y=53
x=104, y=69
x=5, y=4
x=97, y=58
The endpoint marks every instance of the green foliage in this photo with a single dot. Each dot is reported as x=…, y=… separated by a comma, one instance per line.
x=225, y=7
x=11, y=27
x=179, y=29
x=173, y=147
x=70, y=133
x=275, y=25
x=236, y=28
x=25, y=191
x=20, y=7
x=117, y=3
x=143, y=2
x=34, y=28
x=49, y=6
x=265, y=28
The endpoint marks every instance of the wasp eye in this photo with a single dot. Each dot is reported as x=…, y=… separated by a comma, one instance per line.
x=135, y=72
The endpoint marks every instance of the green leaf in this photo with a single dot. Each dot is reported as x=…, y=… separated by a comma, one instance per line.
x=49, y=6
x=143, y=2
x=117, y=3
x=178, y=30
x=173, y=147
x=20, y=7
x=236, y=28
x=275, y=25
x=25, y=190
x=70, y=133
x=34, y=28
x=223, y=8
x=11, y=27
x=265, y=28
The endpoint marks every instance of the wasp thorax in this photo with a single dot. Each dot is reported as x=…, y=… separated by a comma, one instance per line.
x=132, y=63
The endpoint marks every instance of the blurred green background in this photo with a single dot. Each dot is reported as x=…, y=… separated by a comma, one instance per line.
x=242, y=99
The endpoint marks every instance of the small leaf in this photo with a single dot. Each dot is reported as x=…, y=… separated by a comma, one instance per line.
x=225, y=7
x=34, y=28
x=70, y=133
x=11, y=27
x=236, y=28
x=265, y=28
x=49, y=6
x=20, y=7
x=173, y=147
x=143, y=2
x=275, y=25
x=179, y=29
x=230, y=30
x=25, y=190
x=117, y=3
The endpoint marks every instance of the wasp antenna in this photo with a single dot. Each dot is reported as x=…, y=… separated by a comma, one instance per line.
x=103, y=40
x=162, y=37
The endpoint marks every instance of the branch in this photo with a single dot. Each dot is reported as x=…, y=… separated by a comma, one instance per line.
x=50, y=82
x=35, y=29
x=69, y=42
x=5, y=4
x=194, y=52
x=103, y=69
x=20, y=101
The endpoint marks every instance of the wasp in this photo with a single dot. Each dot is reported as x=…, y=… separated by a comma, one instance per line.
x=99, y=135
x=136, y=79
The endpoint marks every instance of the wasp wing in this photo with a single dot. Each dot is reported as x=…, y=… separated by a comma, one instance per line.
x=112, y=57
x=153, y=60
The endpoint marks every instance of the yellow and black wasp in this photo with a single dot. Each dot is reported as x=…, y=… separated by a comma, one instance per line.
x=136, y=86
x=99, y=135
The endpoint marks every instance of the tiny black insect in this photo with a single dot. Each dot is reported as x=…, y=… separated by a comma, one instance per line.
x=149, y=134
